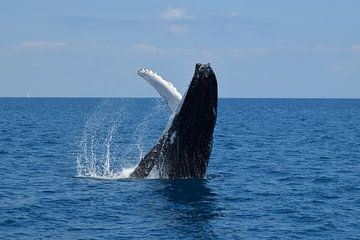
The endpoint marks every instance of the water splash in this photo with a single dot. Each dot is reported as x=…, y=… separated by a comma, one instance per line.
x=111, y=144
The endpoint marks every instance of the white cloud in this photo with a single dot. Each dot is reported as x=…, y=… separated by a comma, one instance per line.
x=249, y=51
x=179, y=29
x=234, y=14
x=145, y=48
x=40, y=44
x=345, y=67
x=172, y=13
x=331, y=50
x=323, y=50
x=355, y=49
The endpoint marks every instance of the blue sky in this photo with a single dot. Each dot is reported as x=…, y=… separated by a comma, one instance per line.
x=257, y=48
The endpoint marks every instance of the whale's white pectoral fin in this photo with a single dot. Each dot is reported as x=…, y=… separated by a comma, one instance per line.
x=166, y=90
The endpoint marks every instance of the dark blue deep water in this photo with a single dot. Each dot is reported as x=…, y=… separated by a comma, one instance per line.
x=282, y=169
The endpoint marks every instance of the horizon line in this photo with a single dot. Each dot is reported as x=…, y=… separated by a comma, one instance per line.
x=88, y=97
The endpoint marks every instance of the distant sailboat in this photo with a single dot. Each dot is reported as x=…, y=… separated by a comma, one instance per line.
x=28, y=95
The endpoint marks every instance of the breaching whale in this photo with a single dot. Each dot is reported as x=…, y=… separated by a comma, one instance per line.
x=184, y=149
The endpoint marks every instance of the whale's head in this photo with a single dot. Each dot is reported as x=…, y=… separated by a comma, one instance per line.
x=199, y=105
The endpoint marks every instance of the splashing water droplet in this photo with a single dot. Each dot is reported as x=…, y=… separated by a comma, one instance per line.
x=100, y=155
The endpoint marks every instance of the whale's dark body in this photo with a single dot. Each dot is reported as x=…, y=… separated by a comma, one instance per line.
x=184, y=149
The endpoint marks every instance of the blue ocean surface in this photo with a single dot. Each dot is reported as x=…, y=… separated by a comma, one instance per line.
x=280, y=169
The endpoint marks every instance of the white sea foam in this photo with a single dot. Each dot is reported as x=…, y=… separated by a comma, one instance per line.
x=122, y=174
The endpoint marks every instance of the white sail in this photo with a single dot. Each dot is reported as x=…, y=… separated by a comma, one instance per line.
x=166, y=90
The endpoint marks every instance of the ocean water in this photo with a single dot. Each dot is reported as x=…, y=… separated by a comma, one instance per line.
x=280, y=169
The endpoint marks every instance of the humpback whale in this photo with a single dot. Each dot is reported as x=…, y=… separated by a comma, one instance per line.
x=184, y=148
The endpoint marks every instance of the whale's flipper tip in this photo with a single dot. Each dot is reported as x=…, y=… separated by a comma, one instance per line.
x=166, y=89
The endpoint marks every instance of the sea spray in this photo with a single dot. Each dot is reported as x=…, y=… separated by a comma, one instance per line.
x=107, y=158
x=103, y=152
